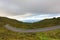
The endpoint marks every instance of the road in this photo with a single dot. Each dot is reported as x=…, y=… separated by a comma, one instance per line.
x=31, y=30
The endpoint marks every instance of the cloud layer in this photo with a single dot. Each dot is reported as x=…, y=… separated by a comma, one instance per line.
x=18, y=7
x=31, y=18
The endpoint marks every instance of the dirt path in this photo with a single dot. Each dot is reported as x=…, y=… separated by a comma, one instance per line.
x=30, y=30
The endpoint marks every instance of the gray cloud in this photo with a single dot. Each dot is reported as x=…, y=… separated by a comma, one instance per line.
x=18, y=7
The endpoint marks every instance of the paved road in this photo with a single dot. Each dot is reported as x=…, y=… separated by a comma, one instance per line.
x=30, y=30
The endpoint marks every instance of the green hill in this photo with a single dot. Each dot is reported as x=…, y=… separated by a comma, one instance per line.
x=48, y=35
x=47, y=23
x=40, y=24
x=13, y=22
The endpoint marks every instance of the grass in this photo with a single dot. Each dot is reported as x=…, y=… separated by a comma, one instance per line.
x=49, y=35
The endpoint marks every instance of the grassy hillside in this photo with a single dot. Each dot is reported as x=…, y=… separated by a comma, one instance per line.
x=48, y=35
x=13, y=22
x=47, y=23
x=40, y=24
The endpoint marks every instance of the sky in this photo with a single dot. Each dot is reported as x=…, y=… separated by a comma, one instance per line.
x=30, y=9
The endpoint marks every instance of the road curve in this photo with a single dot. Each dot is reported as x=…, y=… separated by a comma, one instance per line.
x=30, y=30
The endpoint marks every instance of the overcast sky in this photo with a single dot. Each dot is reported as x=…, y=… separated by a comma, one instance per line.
x=20, y=9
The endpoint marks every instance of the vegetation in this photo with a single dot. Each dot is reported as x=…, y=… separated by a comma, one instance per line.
x=47, y=23
x=48, y=35
x=24, y=25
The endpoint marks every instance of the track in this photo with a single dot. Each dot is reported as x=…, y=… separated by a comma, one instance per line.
x=30, y=30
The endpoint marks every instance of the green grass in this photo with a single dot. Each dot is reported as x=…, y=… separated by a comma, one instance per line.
x=49, y=35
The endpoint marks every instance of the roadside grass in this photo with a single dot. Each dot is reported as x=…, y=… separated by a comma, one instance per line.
x=49, y=35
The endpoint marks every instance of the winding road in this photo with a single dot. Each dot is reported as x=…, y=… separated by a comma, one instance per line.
x=30, y=30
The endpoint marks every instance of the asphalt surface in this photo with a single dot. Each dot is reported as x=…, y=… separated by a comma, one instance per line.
x=30, y=30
